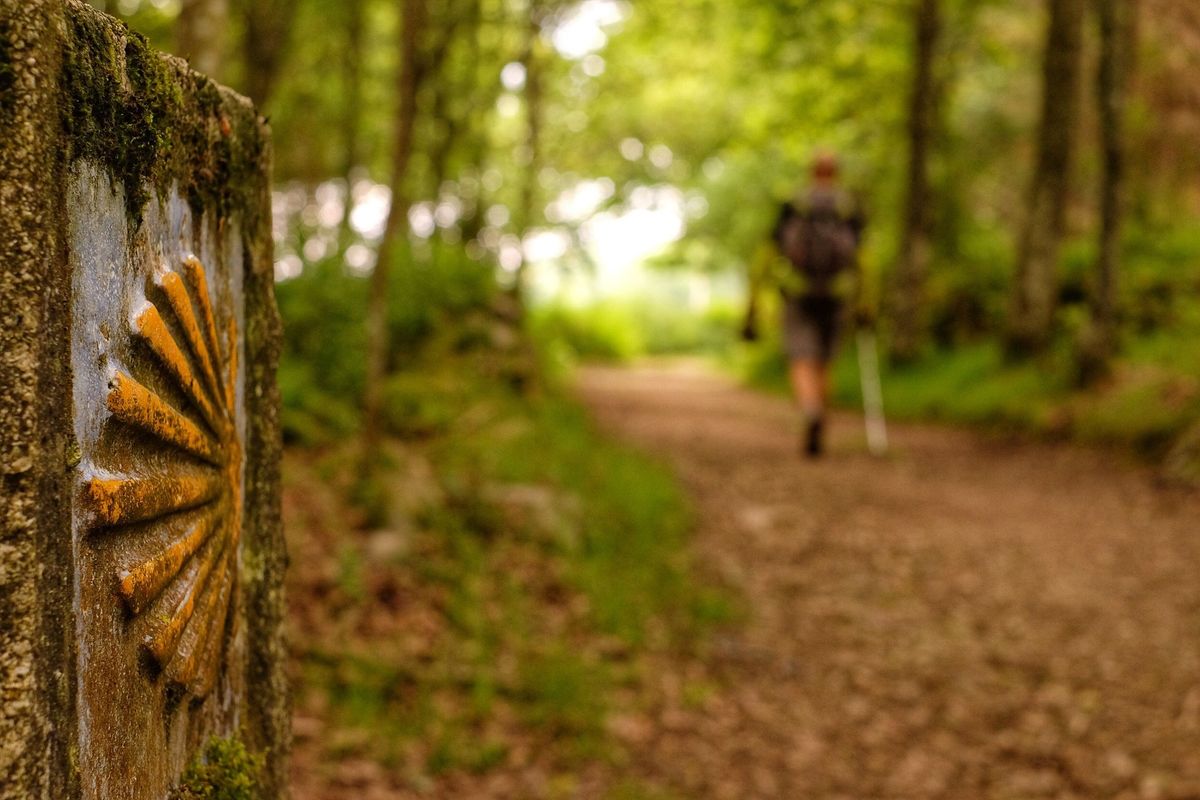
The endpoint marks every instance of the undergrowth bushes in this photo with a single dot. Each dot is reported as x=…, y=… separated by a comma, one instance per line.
x=1151, y=403
x=322, y=370
x=497, y=591
x=620, y=331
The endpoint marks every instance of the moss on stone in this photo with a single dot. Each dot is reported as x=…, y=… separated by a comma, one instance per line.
x=152, y=123
x=74, y=85
x=225, y=770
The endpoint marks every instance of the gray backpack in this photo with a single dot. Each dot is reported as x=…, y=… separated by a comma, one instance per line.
x=818, y=236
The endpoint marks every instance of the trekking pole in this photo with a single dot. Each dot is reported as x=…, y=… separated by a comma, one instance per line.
x=872, y=393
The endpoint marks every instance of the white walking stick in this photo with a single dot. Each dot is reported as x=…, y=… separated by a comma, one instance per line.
x=872, y=392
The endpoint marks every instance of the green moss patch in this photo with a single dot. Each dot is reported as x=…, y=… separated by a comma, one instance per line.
x=153, y=124
x=226, y=770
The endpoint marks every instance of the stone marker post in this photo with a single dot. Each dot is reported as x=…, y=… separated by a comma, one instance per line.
x=141, y=556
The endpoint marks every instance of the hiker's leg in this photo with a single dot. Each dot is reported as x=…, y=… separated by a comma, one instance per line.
x=805, y=346
x=809, y=383
x=809, y=387
x=826, y=384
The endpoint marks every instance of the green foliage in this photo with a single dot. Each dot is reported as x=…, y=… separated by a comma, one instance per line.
x=968, y=385
x=1162, y=277
x=549, y=557
x=638, y=113
x=311, y=413
x=968, y=294
x=620, y=331
x=670, y=331
x=604, y=332
x=225, y=770
x=414, y=408
x=322, y=371
x=626, y=542
x=1146, y=409
x=1149, y=407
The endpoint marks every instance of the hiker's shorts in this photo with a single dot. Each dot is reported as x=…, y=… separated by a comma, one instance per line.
x=811, y=326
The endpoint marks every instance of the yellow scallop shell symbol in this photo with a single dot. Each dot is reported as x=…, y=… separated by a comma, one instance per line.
x=186, y=587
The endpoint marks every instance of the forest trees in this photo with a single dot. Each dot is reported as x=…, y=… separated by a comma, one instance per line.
x=432, y=122
x=531, y=60
x=352, y=87
x=909, y=307
x=409, y=76
x=267, y=27
x=1035, y=286
x=937, y=107
x=201, y=33
x=1035, y=282
x=1118, y=44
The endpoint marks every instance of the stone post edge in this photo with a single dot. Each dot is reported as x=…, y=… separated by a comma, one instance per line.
x=39, y=140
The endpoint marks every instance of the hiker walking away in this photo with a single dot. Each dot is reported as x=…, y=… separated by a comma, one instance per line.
x=818, y=235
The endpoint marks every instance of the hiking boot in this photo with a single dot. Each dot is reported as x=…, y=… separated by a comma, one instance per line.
x=814, y=444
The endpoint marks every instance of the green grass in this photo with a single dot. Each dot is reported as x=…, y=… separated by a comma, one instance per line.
x=1151, y=404
x=971, y=385
x=627, y=520
x=548, y=557
x=564, y=694
x=1147, y=409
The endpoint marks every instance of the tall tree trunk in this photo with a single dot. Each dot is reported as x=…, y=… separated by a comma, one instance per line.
x=527, y=215
x=267, y=33
x=200, y=34
x=477, y=134
x=352, y=100
x=464, y=22
x=408, y=82
x=441, y=149
x=352, y=85
x=909, y=323
x=1117, y=49
x=1035, y=287
x=461, y=22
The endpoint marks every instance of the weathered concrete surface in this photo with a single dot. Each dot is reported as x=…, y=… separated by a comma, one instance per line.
x=35, y=663
x=132, y=634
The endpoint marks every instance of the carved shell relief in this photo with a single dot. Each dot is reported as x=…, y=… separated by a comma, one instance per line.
x=190, y=500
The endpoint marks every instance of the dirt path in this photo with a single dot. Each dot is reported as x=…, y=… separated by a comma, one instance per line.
x=968, y=619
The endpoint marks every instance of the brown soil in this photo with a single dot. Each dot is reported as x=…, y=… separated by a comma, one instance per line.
x=965, y=619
